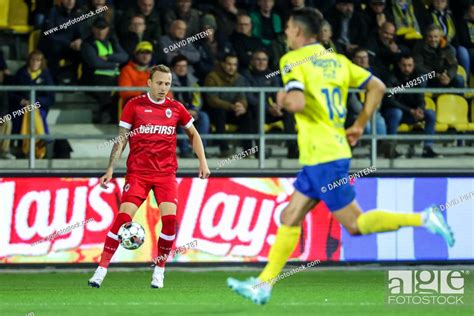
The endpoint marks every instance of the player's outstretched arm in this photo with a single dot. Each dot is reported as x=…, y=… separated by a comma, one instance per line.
x=195, y=140
x=115, y=154
x=375, y=91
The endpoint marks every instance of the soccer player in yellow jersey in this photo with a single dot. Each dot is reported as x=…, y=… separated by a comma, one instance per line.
x=316, y=91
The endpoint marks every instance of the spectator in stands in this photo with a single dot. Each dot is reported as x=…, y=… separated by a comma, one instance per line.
x=325, y=36
x=211, y=48
x=349, y=28
x=58, y=44
x=229, y=107
x=226, y=17
x=152, y=20
x=355, y=101
x=172, y=46
x=256, y=77
x=97, y=6
x=183, y=11
x=137, y=72
x=324, y=6
x=408, y=108
x=466, y=34
x=243, y=42
x=33, y=73
x=4, y=71
x=439, y=14
x=297, y=4
x=284, y=8
x=383, y=49
x=266, y=24
x=402, y=12
x=374, y=14
x=459, y=8
x=102, y=56
x=39, y=9
x=6, y=126
x=135, y=34
x=432, y=54
x=191, y=100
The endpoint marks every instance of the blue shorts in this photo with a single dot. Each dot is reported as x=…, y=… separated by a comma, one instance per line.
x=328, y=182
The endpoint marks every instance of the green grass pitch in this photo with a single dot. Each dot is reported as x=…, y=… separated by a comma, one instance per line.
x=318, y=292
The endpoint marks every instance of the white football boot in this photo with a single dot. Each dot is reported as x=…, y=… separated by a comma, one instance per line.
x=158, y=277
x=98, y=277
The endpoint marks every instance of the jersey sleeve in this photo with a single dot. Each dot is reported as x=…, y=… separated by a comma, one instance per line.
x=358, y=76
x=293, y=77
x=185, y=119
x=128, y=116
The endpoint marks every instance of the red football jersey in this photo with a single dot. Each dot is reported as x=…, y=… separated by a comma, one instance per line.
x=152, y=133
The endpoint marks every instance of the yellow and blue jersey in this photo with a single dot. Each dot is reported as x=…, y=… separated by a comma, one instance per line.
x=325, y=78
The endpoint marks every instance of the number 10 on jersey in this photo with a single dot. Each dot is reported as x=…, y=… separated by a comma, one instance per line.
x=334, y=102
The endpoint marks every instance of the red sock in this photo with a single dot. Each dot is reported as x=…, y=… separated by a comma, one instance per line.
x=111, y=241
x=165, y=242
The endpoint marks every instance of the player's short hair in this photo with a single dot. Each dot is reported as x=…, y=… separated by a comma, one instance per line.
x=160, y=68
x=310, y=19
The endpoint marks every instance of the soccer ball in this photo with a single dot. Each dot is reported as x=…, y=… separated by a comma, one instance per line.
x=131, y=235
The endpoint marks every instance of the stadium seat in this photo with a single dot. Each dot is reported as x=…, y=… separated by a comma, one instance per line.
x=33, y=40
x=452, y=111
x=18, y=17
x=404, y=128
x=79, y=72
x=278, y=125
x=4, y=5
x=472, y=110
x=230, y=128
x=429, y=104
x=462, y=72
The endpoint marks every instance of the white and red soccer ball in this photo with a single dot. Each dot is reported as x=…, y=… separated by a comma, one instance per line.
x=131, y=235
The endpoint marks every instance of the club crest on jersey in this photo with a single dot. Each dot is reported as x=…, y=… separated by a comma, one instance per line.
x=168, y=113
x=127, y=187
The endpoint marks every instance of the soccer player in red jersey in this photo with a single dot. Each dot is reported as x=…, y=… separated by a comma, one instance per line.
x=149, y=124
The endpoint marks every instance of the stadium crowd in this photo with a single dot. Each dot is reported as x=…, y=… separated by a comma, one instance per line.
x=242, y=42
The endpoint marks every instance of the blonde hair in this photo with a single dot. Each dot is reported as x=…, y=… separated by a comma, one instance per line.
x=36, y=52
x=160, y=68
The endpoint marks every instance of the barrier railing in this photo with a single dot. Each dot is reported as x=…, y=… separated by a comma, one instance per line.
x=261, y=137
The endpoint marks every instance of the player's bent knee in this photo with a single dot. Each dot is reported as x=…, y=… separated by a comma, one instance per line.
x=167, y=208
x=128, y=208
x=352, y=228
x=291, y=217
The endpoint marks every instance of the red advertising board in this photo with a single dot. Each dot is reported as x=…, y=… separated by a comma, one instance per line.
x=232, y=219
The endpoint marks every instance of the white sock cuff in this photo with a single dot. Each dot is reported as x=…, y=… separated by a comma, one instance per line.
x=167, y=237
x=112, y=235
